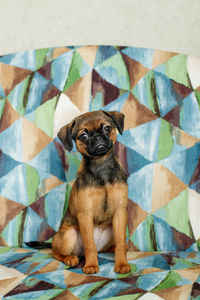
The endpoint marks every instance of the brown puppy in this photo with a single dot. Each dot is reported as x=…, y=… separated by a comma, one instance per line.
x=96, y=217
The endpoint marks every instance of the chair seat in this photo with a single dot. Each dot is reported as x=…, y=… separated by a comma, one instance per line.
x=27, y=273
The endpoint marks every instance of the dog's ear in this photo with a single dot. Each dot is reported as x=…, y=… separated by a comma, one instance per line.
x=118, y=119
x=65, y=135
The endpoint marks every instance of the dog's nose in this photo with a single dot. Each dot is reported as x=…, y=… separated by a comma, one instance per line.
x=99, y=138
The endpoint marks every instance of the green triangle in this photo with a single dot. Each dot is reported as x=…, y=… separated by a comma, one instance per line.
x=4, y=249
x=145, y=228
x=41, y=57
x=43, y=116
x=145, y=92
x=165, y=144
x=197, y=94
x=172, y=279
x=177, y=207
x=79, y=68
x=18, y=97
x=198, y=244
x=2, y=105
x=116, y=62
x=32, y=183
x=176, y=69
x=14, y=230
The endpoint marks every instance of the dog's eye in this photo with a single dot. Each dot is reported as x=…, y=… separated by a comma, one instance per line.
x=83, y=137
x=107, y=129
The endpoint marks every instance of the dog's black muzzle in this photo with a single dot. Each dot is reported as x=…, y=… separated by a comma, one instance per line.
x=99, y=145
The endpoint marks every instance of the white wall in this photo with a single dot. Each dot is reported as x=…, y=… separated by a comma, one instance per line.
x=172, y=25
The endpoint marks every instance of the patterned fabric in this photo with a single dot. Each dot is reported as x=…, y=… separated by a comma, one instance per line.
x=159, y=93
x=31, y=274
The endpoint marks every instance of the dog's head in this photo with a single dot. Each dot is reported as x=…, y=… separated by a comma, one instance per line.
x=93, y=132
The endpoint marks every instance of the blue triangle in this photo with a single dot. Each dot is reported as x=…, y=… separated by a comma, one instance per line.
x=103, y=53
x=49, y=161
x=142, y=55
x=13, y=185
x=135, y=161
x=190, y=116
x=117, y=104
x=115, y=72
x=56, y=277
x=112, y=289
x=26, y=59
x=140, y=187
x=150, y=281
x=11, y=141
x=6, y=164
x=184, y=163
x=143, y=139
x=38, y=87
x=60, y=69
x=165, y=238
x=53, y=213
x=33, y=226
x=165, y=92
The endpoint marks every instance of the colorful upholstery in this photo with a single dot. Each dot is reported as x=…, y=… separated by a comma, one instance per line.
x=159, y=93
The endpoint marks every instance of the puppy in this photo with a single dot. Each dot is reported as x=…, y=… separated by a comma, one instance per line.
x=96, y=217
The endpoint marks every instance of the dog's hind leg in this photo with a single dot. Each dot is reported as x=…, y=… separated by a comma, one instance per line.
x=66, y=246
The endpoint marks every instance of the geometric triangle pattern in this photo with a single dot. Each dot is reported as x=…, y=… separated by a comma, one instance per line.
x=26, y=273
x=159, y=93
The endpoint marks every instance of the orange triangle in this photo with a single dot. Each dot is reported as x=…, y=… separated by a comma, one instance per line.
x=166, y=186
x=181, y=292
x=187, y=140
x=3, y=242
x=136, y=215
x=160, y=57
x=34, y=140
x=190, y=273
x=10, y=76
x=150, y=271
x=135, y=70
x=9, y=210
x=67, y=294
x=59, y=51
x=51, y=183
x=79, y=92
x=133, y=255
x=136, y=113
x=74, y=279
x=88, y=54
x=52, y=266
x=10, y=115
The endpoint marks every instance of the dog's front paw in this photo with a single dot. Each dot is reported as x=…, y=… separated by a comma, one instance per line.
x=71, y=260
x=91, y=269
x=122, y=268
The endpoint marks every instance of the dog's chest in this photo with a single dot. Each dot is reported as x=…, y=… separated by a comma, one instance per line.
x=102, y=207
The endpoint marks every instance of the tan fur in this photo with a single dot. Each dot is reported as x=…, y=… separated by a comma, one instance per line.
x=93, y=211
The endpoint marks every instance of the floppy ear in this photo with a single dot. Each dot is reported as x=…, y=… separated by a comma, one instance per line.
x=65, y=135
x=118, y=119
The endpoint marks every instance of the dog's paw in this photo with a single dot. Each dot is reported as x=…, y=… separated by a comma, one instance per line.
x=122, y=268
x=91, y=269
x=71, y=260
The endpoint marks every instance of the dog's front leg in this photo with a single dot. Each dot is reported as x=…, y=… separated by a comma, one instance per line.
x=119, y=230
x=87, y=232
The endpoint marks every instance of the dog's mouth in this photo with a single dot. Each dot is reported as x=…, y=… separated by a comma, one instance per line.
x=102, y=149
x=99, y=149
